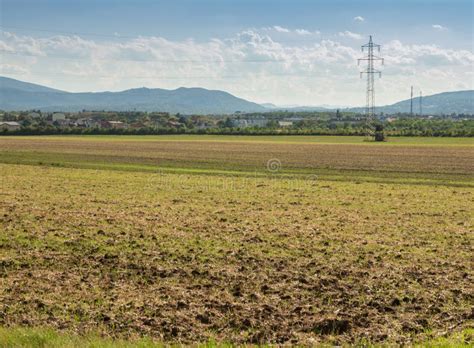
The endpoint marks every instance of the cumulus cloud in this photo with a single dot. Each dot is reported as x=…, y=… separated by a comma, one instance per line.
x=427, y=55
x=359, y=19
x=302, y=32
x=351, y=35
x=439, y=27
x=251, y=64
x=281, y=29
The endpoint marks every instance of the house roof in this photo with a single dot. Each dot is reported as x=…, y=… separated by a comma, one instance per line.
x=10, y=123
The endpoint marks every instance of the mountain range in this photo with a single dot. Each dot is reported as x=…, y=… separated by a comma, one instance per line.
x=19, y=95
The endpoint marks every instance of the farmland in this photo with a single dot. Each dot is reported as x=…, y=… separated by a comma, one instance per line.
x=300, y=240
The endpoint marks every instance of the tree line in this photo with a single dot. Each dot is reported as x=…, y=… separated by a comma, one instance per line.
x=299, y=123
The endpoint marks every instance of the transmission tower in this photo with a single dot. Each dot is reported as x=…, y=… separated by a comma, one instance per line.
x=370, y=96
x=411, y=102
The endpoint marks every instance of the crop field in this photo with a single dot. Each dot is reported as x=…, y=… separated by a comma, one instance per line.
x=242, y=240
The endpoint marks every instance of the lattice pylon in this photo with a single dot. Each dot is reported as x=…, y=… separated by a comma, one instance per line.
x=370, y=92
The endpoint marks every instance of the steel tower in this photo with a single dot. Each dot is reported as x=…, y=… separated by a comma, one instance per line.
x=370, y=93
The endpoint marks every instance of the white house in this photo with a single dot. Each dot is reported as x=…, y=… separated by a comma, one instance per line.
x=114, y=124
x=285, y=123
x=251, y=122
x=9, y=126
x=58, y=116
x=64, y=123
x=87, y=122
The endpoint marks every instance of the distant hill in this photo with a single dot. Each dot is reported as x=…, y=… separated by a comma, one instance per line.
x=18, y=95
x=459, y=102
x=269, y=106
x=8, y=83
x=301, y=108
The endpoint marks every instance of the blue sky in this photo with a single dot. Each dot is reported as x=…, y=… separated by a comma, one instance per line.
x=307, y=48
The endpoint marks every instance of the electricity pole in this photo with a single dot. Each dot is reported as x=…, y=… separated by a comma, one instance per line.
x=370, y=93
x=411, y=102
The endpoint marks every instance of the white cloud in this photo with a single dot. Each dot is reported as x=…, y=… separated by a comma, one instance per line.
x=250, y=64
x=439, y=27
x=359, y=19
x=5, y=47
x=427, y=55
x=281, y=29
x=13, y=69
x=302, y=32
x=351, y=35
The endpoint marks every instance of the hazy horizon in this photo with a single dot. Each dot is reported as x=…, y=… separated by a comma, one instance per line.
x=268, y=105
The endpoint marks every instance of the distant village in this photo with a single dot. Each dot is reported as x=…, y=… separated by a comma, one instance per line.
x=138, y=120
x=275, y=122
x=59, y=120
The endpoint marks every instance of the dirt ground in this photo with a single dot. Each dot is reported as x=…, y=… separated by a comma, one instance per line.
x=190, y=258
x=250, y=155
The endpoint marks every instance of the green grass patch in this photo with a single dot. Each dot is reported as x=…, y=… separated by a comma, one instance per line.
x=301, y=139
x=84, y=161
x=48, y=338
